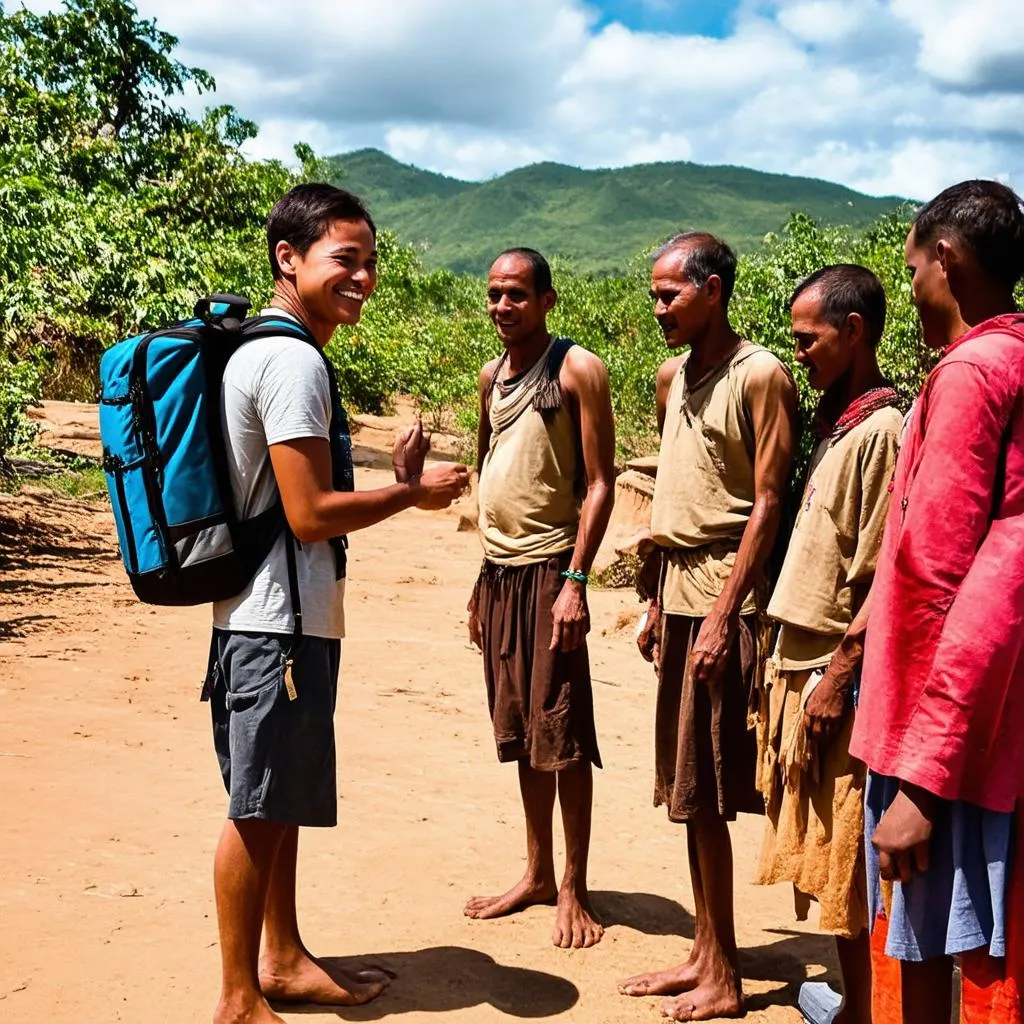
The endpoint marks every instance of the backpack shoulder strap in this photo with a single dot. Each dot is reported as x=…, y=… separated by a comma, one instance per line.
x=274, y=326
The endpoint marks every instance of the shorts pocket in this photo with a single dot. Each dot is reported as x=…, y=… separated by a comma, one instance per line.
x=243, y=700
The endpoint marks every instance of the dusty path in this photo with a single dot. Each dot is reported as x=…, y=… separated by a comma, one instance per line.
x=112, y=803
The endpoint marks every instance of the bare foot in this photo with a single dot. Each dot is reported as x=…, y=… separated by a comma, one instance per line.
x=671, y=982
x=708, y=1001
x=252, y=1010
x=576, y=927
x=307, y=980
x=526, y=893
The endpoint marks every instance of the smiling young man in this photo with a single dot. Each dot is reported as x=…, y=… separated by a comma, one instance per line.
x=941, y=709
x=727, y=413
x=813, y=789
x=273, y=690
x=546, y=440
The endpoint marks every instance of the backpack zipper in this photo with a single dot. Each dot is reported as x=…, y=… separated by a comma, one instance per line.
x=144, y=424
x=114, y=465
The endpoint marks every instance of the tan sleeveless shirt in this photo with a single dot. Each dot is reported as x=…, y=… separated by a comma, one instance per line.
x=704, y=491
x=529, y=508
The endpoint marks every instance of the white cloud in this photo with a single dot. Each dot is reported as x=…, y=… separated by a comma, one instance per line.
x=889, y=96
x=978, y=45
x=823, y=21
x=477, y=157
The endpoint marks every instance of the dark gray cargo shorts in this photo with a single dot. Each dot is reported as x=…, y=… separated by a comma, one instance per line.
x=275, y=743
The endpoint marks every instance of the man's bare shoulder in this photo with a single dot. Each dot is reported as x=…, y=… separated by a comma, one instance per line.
x=668, y=369
x=763, y=368
x=487, y=373
x=581, y=366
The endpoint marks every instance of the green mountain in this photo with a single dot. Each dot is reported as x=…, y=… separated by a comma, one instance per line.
x=597, y=219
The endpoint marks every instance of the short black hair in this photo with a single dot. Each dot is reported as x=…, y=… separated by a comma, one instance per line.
x=706, y=254
x=305, y=213
x=987, y=217
x=542, y=283
x=847, y=288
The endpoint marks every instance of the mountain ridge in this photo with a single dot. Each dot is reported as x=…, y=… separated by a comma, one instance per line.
x=597, y=219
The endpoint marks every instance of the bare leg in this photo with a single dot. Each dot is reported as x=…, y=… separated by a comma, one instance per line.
x=287, y=970
x=538, y=883
x=241, y=878
x=927, y=991
x=674, y=981
x=719, y=992
x=855, y=964
x=576, y=927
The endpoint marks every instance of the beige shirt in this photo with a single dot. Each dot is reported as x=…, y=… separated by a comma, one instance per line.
x=834, y=548
x=704, y=491
x=529, y=494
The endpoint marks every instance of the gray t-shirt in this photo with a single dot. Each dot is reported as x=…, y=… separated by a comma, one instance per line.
x=275, y=390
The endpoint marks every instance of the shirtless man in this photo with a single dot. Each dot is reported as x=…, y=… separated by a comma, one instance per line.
x=727, y=411
x=546, y=438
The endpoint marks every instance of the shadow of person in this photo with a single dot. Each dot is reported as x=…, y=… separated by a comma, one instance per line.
x=787, y=962
x=643, y=911
x=448, y=978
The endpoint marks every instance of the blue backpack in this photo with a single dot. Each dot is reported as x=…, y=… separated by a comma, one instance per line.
x=165, y=459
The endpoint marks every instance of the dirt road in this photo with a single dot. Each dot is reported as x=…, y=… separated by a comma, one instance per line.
x=112, y=803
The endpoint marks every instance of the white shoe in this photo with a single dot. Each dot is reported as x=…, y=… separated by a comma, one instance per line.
x=818, y=1003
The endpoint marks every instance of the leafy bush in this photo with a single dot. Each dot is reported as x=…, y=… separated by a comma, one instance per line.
x=20, y=387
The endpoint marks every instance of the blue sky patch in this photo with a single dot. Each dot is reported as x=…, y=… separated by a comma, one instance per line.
x=679, y=17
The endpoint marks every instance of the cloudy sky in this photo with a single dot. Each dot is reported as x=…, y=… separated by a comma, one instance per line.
x=887, y=96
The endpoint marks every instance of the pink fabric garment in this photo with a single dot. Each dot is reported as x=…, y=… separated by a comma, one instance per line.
x=942, y=695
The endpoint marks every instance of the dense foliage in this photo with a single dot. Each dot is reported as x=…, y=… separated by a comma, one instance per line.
x=119, y=209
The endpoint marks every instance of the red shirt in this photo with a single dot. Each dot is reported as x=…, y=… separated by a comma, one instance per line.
x=942, y=695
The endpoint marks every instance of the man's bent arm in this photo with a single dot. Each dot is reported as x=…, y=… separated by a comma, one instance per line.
x=314, y=510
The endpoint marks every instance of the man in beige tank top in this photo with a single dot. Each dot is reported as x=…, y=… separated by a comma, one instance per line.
x=546, y=441
x=813, y=788
x=727, y=410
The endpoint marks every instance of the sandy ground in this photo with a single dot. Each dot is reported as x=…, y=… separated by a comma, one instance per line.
x=111, y=803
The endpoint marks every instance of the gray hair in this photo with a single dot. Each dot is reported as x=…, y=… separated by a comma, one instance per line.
x=703, y=254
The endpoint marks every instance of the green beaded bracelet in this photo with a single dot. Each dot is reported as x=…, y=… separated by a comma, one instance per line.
x=575, y=576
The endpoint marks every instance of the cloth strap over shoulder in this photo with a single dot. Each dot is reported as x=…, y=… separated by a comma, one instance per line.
x=547, y=398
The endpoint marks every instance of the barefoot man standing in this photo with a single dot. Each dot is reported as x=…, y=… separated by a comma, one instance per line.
x=546, y=438
x=727, y=413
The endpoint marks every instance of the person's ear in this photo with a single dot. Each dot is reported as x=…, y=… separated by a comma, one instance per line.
x=287, y=256
x=947, y=252
x=853, y=329
x=550, y=300
x=713, y=290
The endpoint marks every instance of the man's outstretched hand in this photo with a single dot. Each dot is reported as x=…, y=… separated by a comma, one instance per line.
x=439, y=486
x=410, y=449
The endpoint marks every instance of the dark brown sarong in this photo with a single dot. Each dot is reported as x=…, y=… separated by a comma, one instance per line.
x=541, y=701
x=705, y=756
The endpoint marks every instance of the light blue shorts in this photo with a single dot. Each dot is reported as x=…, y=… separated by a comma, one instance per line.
x=959, y=903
